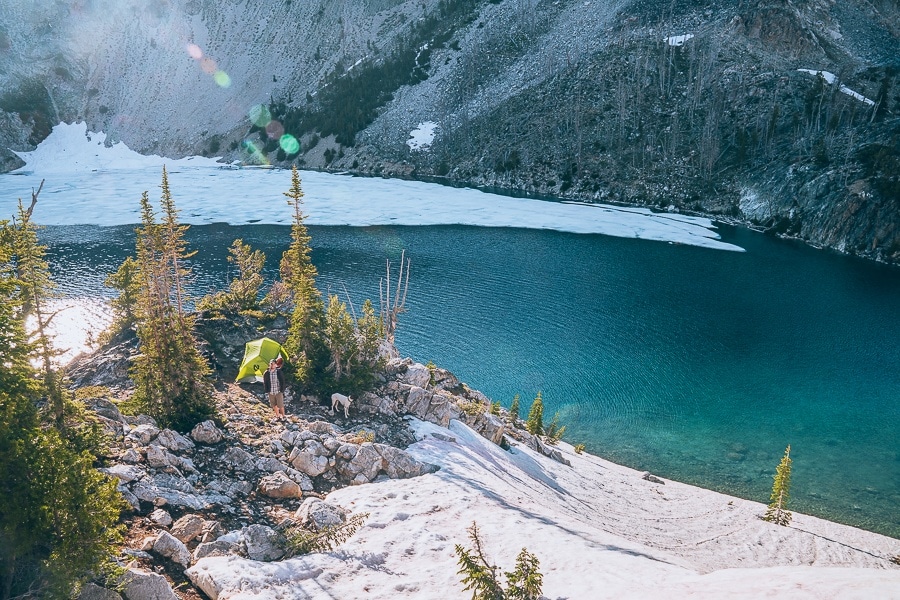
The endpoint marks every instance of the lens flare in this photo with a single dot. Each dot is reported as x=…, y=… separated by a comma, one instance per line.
x=289, y=144
x=209, y=66
x=259, y=115
x=222, y=79
x=194, y=51
x=274, y=130
x=255, y=153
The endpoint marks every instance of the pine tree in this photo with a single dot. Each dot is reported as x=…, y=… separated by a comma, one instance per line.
x=535, y=423
x=298, y=272
x=126, y=280
x=37, y=288
x=340, y=337
x=243, y=291
x=514, y=410
x=57, y=513
x=554, y=432
x=481, y=577
x=777, y=511
x=369, y=332
x=169, y=373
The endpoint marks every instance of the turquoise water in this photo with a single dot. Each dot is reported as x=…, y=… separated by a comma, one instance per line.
x=697, y=365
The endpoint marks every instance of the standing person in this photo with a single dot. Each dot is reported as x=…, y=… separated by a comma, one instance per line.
x=273, y=382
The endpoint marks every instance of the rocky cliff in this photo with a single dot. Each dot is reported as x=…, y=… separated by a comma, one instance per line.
x=783, y=114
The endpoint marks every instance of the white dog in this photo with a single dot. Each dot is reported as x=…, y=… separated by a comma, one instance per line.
x=344, y=401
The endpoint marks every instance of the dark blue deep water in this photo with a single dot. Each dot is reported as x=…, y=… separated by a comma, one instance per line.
x=698, y=365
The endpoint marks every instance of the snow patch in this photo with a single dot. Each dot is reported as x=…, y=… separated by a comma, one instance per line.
x=678, y=40
x=422, y=136
x=74, y=149
x=830, y=78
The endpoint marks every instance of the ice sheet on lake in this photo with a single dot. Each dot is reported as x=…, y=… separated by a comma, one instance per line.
x=88, y=183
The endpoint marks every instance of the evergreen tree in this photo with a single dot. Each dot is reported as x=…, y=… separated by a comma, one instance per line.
x=340, y=337
x=243, y=291
x=369, y=333
x=298, y=272
x=57, y=513
x=514, y=410
x=37, y=288
x=481, y=577
x=554, y=432
x=169, y=373
x=126, y=280
x=535, y=423
x=777, y=511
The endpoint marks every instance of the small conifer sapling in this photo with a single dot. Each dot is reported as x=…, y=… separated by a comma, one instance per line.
x=777, y=511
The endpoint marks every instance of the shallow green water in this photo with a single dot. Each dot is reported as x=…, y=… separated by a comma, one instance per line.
x=697, y=365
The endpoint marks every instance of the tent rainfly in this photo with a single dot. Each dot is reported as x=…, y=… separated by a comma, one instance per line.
x=257, y=355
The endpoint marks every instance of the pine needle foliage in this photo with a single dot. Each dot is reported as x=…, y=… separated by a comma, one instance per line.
x=58, y=514
x=554, y=432
x=482, y=578
x=170, y=374
x=299, y=274
x=514, y=410
x=777, y=511
x=299, y=540
x=243, y=291
x=126, y=281
x=340, y=337
x=535, y=422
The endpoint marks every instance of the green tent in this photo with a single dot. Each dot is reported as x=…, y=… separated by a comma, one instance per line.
x=257, y=355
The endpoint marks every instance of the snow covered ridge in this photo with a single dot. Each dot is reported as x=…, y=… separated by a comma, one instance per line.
x=88, y=183
x=830, y=78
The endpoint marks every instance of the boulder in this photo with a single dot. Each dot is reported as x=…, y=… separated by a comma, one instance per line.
x=262, y=543
x=160, y=517
x=144, y=585
x=143, y=434
x=364, y=467
x=399, y=464
x=417, y=402
x=131, y=456
x=216, y=548
x=172, y=548
x=92, y=591
x=206, y=433
x=239, y=460
x=188, y=527
x=165, y=488
x=321, y=428
x=106, y=408
x=417, y=374
x=125, y=473
x=279, y=485
x=174, y=441
x=317, y=514
x=308, y=462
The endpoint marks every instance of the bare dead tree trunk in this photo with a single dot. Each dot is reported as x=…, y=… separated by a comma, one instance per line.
x=392, y=307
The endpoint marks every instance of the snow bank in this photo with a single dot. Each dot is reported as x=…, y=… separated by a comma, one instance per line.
x=422, y=136
x=598, y=529
x=88, y=183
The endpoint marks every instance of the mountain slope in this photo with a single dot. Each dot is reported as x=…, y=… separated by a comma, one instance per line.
x=779, y=113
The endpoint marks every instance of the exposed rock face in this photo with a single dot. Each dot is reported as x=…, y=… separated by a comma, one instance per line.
x=692, y=105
